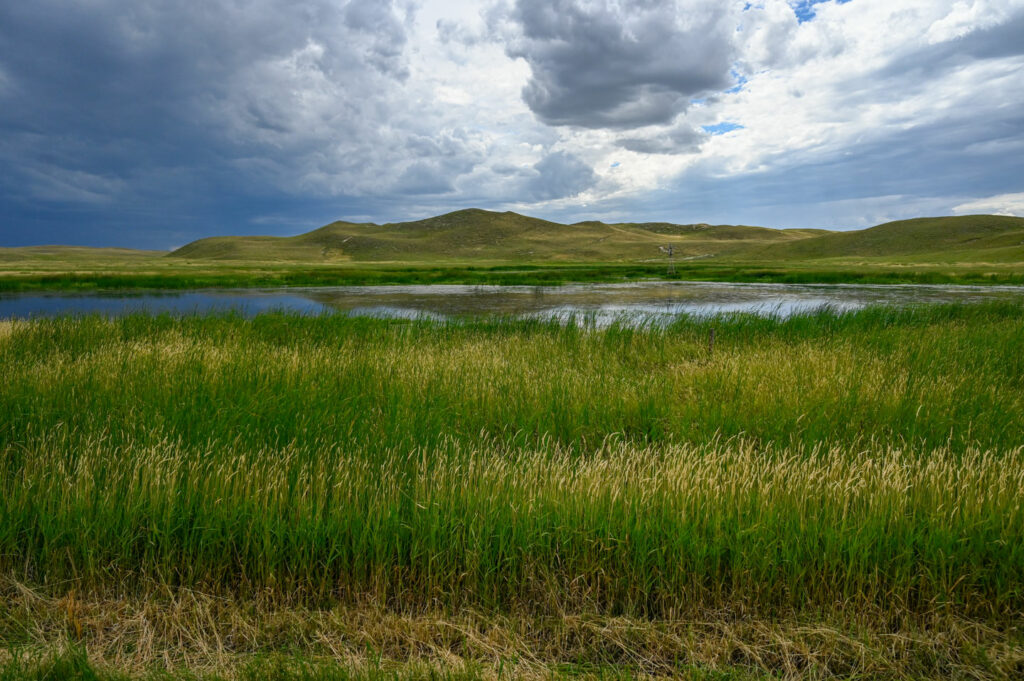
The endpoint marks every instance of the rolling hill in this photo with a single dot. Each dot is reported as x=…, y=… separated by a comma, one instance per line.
x=475, y=234
x=964, y=238
x=73, y=254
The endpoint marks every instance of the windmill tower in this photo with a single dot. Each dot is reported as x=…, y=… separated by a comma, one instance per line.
x=669, y=251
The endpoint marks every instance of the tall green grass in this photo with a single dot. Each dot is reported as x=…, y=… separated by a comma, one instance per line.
x=941, y=376
x=869, y=459
x=637, y=532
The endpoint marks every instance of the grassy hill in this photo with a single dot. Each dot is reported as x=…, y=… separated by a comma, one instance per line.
x=479, y=247
x=72, y=254
x=484, y=235
x=477, y=235
x=965, y=238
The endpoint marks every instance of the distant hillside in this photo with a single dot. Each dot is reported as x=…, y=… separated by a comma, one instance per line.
x=484, y=235
x=72, y=254
x=966, y=238
x=480, y=236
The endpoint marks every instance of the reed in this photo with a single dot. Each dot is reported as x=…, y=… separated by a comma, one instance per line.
x=869, y=461
x=651, y=532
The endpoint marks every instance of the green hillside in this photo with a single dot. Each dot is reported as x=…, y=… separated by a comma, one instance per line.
x=477, y=246
x=72, y=254
x=484, y=235
x=966, y=238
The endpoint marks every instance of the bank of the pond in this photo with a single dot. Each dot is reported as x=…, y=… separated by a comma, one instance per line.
x=261, y=275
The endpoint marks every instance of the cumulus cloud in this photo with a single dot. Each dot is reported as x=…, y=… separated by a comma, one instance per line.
x=604, y=64
x=682, y=139
x=128, y=86
x=560, y=175
x=421, y=177
x=1001, y=204
x=171, y=120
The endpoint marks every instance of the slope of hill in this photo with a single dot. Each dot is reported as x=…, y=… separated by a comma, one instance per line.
x=471, y=236
x=965, y=238
x=72, y=254
x=484, y=235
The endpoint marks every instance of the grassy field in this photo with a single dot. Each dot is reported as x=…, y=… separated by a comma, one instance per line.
x=166, y=274
x=825, y=495
x=479, y=247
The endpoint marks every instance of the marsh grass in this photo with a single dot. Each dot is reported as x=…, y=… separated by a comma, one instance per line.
x=160, y=273
x=942, y=376
x=868, y=461
x=639, y=532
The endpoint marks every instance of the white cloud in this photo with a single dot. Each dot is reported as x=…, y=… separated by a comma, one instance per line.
x=966, y=17
x=862, y=75
x=1001, y=204
x=403, y=106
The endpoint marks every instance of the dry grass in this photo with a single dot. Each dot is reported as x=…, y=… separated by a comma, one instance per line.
x=185, y=629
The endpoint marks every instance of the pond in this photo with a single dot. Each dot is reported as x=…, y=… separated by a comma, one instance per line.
x=603, y=303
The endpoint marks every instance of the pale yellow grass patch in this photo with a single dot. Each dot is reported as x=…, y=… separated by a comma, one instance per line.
x=206, y=633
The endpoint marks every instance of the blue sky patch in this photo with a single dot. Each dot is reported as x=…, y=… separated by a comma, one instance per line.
x=804, y=9
x=741, y=80
x=721, y=128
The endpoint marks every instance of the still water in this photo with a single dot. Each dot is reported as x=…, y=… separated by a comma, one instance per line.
x=603, y=303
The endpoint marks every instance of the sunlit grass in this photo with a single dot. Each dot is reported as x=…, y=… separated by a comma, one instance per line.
x=868, y=461
x=651, y=532
x=154, y=272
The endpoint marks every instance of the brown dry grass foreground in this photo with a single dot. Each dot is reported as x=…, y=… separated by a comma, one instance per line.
x=206, y=635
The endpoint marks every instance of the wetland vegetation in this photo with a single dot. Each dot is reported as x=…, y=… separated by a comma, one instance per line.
x=835, y=493
x=828, y=494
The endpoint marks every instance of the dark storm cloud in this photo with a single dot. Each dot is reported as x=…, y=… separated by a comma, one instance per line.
x=560, y=175
x=150, y=123
x=118, y=68
x=155, y=109
x=682, y=139
x=599, y=64
x=421, y=177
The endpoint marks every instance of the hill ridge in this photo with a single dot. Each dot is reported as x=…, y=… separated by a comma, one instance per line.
x=475, y=234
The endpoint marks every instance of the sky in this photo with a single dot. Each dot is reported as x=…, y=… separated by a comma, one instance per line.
x=150, y=123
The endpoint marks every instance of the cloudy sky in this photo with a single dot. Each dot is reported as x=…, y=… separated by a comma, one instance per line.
x=149, y=123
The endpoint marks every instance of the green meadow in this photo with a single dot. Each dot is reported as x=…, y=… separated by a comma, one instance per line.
x=482, y=247
x=331, y=497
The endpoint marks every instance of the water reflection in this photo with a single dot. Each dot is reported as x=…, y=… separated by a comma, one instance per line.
x=602, y=303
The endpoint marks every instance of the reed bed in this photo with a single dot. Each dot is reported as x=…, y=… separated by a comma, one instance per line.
x=943, y=376
x=654, y=532
x=801, y=468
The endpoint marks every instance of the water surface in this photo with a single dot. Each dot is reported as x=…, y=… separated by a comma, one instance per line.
x=643, y=301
